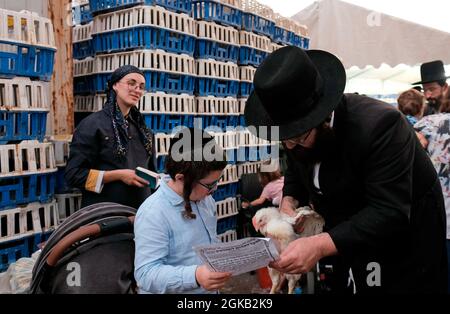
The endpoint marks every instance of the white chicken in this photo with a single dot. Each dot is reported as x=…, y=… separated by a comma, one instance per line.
x=280, y=228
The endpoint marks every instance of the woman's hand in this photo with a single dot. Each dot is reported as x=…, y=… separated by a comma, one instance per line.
x=129, y=177
x=210, y=280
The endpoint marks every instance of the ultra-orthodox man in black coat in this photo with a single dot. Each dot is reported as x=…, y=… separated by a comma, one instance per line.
x=380, y=197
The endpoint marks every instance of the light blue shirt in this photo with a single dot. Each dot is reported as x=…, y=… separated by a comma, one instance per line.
x=165, y=261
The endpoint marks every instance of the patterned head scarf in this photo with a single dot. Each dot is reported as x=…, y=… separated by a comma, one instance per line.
x=119, y=123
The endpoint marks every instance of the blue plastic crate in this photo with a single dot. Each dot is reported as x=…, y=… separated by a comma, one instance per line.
x=160, y=164
x=85, y=14
x=241, y=121
x=281, y=35
x=102, y=6
x=171, y=83
x=285, y=37
x=207, y=49
x=245, y=88
x=11, y=251
x=83, y=49
x=18, y=59
x=26, y=189
x=222, y=122
x=145, y=37
x=305, y=43
x=85, y=85
x=251, y=56
x=254, y=153
x=209, y=10
x=167, y=122
x=61, y=185
x=225, y=224
x=258, y=24
x=216, y=87
x=226, y=191
x=22, y=125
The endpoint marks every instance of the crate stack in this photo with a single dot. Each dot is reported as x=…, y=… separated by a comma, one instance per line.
x=199, y=58
x=81, y=12
x=157, y=36
x=28, y=211
x=68, y=198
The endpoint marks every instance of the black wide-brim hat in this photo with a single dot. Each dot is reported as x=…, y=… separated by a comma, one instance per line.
x=296, y=90
x=432, y=72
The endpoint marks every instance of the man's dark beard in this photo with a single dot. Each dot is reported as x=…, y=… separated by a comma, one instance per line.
x=434, y=103
x=324, y=146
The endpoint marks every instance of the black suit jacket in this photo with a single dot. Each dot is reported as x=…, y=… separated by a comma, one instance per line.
x=380, y=198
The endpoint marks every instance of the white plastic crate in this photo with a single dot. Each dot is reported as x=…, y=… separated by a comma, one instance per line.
x=67, y=205
x=217, y=69
x=154, y=16
x=255, y=41
x=28, y=157
x=247, y=139
x=153, y=60
x=27, y=28
x=22, y=94
x=162, y=103
x=290, y=25
x=89, y=103
x=247, y=73
x=218, y=33
x=275, y=46
x=230, y=175
x=32, y=219
x=62, y=148
x=253, y=6
x=249, y=167
x=216, y=106
x=162, y=142
x=233, y=3
x=227, y=208
x=226, y=140
x=241, y=105
x=83, y=67
x=228, y=236
x=82, y=32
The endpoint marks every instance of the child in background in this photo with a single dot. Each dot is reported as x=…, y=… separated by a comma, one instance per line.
x=273, y=184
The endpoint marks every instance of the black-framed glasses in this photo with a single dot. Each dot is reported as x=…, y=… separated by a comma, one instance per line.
x=300, y=140
x=133, y=85
x=210, y=186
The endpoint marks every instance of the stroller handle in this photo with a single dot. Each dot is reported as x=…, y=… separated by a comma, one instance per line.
x=84, y=232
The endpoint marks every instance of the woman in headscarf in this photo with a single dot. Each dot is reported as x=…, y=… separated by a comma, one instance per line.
x=108, y=145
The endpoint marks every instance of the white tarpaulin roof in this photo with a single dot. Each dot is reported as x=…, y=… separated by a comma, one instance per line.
x=360, y=37
x=381, y=53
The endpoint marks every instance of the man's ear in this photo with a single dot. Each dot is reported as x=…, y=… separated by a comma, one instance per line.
x=179, y=177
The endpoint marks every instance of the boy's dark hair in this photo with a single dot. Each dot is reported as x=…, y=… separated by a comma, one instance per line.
x=411, y=102
x=188, y=165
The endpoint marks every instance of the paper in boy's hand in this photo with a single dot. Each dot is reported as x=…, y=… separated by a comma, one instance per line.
x=148, y=175
x=238, y=257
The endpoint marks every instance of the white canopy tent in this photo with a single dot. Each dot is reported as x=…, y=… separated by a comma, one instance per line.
x=382, y=54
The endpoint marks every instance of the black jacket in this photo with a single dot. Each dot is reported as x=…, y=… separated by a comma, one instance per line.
x=93, y=147
x=380, y=198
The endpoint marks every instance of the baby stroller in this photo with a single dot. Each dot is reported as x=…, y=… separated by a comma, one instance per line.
x=92, y=251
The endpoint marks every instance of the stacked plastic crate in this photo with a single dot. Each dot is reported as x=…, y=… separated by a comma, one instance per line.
x=28, y=212
x=217, y=89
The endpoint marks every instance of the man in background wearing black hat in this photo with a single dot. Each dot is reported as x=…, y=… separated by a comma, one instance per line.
x=434, y=85
x=358, y=163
